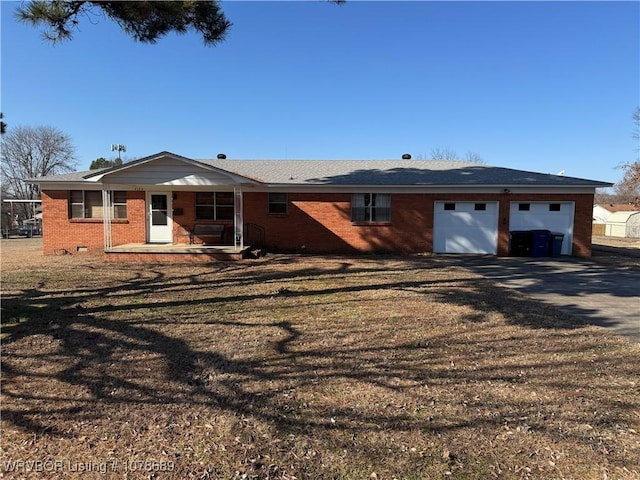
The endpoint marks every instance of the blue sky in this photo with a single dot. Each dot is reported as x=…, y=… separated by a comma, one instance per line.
x=540, y=86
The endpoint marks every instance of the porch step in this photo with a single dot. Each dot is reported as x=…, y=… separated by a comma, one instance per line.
x=145, y=252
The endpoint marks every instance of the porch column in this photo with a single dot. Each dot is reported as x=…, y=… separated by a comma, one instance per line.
x=238, y=235
x=106, y=217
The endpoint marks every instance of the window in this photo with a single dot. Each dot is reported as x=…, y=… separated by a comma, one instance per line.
x=277, y=203
x=449, y=206
x=119, y=199
x=480, y=207
x=371, y=207
x=214, y=205
x=524, y=207
x=554, y=207
x=88, y=204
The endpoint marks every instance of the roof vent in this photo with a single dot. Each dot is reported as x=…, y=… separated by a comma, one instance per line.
x=406, y=156
x=221, y=156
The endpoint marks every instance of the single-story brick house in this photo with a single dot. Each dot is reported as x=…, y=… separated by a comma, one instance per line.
x=166, y=205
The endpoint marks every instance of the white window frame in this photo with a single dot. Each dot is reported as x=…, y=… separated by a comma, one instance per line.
x=376, y=207
x=85, y=206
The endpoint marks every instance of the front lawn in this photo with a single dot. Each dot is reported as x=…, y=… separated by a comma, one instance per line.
x=304, y=367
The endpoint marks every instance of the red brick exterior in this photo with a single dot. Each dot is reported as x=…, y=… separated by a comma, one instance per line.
x=322, y=222
x=314, y=222
x=64, y=235
x=184, y=218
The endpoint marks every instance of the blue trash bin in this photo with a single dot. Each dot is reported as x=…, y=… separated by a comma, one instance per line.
x=540, y=243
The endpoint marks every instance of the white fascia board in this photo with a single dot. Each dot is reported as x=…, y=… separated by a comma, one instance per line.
x=136, y=163
x=235, y=178
x=492, y=189
x=565, y=189
x=254, y=187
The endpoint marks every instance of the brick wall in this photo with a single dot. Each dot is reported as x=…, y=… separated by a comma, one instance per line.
x=314, y=222
x=62, y=234
x=322, y=222
x=184, y=219
x=183, y=223
x=582, y=224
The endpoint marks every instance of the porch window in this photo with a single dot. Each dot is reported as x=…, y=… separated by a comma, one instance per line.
x=277, y=203
x=214, y=205
x=119, y=199
x=88, y=204
x=371, y=207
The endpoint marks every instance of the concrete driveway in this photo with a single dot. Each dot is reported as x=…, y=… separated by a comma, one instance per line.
x=600, y=294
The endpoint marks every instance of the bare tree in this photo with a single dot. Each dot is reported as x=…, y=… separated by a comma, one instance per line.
x=473, y=157
x=628, y=189
x=30, y=152
x=450, y=155
x=444, y=154
x=604, y=197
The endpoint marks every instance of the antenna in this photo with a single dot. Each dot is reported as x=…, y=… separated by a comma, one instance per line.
x=119, y=148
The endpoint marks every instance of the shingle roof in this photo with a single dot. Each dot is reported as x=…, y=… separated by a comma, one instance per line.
x=618, y=207
x=390, y=172
x=68, y=177
x=365, y=173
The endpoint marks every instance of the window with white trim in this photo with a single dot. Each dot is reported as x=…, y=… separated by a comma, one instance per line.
x=88, y=204
x=371, y=207
x=214, y=205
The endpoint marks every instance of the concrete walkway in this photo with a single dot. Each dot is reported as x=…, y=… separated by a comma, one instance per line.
x=600, y=294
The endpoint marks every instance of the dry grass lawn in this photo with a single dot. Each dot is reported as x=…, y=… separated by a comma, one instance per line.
x=303, y=367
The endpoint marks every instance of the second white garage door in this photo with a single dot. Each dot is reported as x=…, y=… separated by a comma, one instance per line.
x=556, y=217
x=465, y=227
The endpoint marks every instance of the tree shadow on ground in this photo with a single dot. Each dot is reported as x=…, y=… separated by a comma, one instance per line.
x=71, y=352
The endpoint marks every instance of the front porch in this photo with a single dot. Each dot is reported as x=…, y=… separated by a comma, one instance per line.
x=176, y=253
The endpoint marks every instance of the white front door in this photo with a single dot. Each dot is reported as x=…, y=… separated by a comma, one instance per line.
x=160, y=219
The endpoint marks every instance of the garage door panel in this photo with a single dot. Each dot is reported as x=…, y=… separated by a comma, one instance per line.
x=461, y=242
x=465, y=229
x=553, y=216
x=464, y=219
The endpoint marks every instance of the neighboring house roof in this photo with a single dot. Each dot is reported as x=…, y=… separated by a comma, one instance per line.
x=354, y=172
x=619, y=207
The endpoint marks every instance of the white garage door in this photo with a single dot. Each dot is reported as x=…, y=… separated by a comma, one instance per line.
x=554, y=216
x=465, y=227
